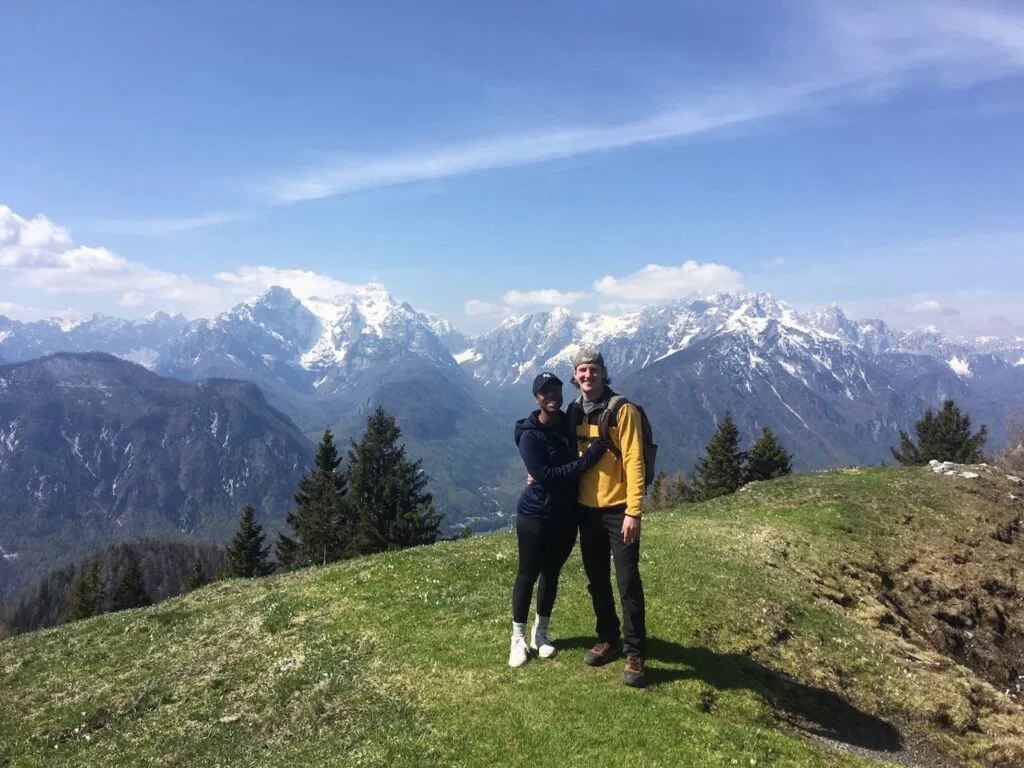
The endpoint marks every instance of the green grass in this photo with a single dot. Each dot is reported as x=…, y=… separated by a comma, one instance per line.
x=399, y=659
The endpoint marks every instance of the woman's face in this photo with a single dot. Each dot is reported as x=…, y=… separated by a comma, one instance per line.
x=550, y=398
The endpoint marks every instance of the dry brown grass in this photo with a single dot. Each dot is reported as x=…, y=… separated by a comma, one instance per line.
x=1011, y=455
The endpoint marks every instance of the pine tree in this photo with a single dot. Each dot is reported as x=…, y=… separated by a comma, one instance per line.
x=131, y=592
x=945, y=436
x=197, y=577
x=767, y=459
x=387, y=491
x=721, y=471
x=656, y=499
x=323, y=522
x=86, y=595
x=247, y=557
x=681, y=492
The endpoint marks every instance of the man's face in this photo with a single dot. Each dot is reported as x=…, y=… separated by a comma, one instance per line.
x=550, y=398
x=590, y=377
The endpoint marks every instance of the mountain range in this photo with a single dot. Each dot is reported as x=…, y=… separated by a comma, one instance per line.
x=837, y=390
x=95, y=449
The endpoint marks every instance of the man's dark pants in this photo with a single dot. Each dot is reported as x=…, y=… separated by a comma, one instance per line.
x=601, y=542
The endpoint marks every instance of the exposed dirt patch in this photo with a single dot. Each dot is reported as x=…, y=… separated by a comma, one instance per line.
x=963, y=593
x=946, y=589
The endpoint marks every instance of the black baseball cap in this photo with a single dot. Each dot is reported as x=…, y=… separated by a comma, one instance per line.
x=543, y=380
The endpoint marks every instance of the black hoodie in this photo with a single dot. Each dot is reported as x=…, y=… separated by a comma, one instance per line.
x=550, y=458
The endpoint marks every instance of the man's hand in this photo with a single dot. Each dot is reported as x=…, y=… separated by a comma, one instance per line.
x=631, y=530
x=529, y=479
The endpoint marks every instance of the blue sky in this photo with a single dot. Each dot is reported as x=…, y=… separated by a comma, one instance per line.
x=483, y=158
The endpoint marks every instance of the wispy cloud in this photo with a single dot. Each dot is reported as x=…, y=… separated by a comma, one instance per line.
x=153, y=227
x=347, y=176
x=853, y=51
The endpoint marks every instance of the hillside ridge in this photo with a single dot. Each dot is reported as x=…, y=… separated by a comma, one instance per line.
x=782, y=633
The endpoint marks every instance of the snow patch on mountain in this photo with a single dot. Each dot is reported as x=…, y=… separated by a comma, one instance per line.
x=145, y=356
x=960, y=366
x=787, y=405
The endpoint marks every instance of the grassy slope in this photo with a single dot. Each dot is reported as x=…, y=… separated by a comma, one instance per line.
x=400, y=659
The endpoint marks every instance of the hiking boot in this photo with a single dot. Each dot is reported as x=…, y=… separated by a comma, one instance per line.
x=518, y=654
x=634, y=674
x=600, y=654
x=541, y=643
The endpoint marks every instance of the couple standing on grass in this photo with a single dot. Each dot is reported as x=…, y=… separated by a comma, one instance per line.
x=587, y=474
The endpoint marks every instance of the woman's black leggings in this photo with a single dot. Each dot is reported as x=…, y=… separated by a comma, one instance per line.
x=544, y=546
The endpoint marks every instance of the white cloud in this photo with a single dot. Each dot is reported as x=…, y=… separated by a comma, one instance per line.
x=163, y=226
x=547, y=297
x=932, y=307
x=653, y=283
x=38, y=254
x=928, y=305
x=476, y=307
x=29, y=314
x=512, y=301
x=131, y=299
x=965, y=312
x=303, y=283
x=851, y=51
x=658, y=283
x=778, y=261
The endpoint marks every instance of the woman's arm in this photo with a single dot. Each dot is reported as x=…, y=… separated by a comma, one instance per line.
x=535, y=454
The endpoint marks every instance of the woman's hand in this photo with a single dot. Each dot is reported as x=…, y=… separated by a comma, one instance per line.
x=594, y=452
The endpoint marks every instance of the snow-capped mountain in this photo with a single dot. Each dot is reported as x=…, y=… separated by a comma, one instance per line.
x=523, y=345
x=838, y=390
x=314, y=346
x=135, y=340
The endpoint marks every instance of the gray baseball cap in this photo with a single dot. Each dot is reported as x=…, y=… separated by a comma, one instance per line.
x=588, y=356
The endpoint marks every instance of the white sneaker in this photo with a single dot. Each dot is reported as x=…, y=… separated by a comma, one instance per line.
x=540, y=642
x=518, y=654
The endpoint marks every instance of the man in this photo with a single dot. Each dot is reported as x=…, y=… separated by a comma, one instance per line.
x=610, y=495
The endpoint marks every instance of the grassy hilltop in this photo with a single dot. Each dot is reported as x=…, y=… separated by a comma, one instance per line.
x=850, y=618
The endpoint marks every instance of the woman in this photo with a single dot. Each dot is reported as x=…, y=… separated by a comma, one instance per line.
x=546, y=514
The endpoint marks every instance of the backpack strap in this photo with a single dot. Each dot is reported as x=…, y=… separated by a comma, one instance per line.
x=574, y=417
x=574, y=412
x=604, y=422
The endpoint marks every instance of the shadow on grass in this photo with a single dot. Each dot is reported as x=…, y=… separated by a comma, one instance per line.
x=813, y=710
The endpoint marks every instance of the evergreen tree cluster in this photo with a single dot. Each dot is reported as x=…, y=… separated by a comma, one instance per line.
x=670, y=491
x=724, y=468
x=377, y=503
x=117, y=577
x=944, y=436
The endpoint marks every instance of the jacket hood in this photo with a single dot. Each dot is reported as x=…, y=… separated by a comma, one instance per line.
x=531, y=422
